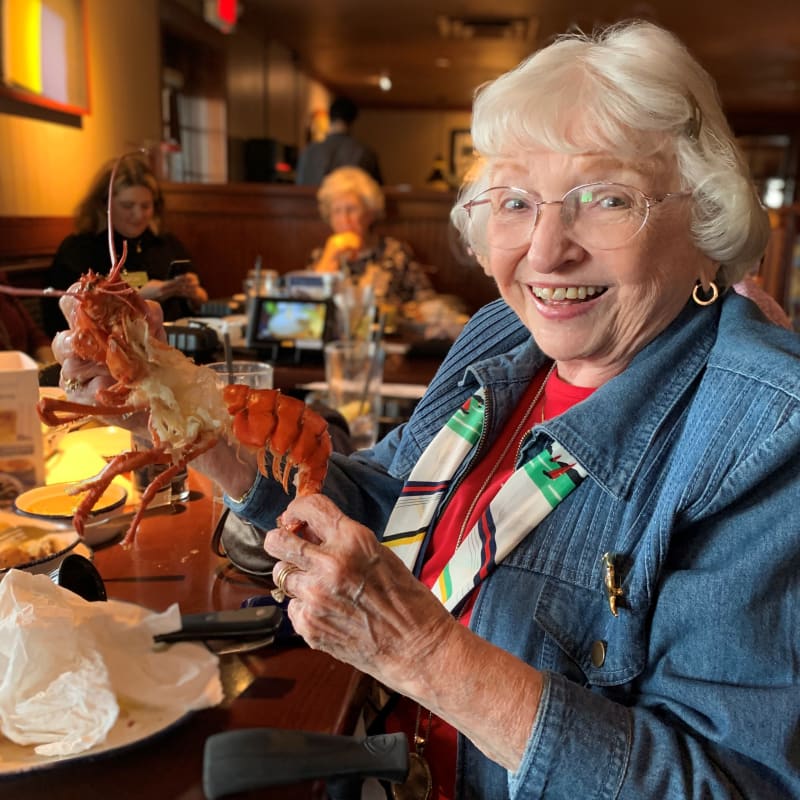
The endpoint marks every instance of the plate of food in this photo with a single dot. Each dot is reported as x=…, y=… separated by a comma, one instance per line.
x=33, y=546
x=54, y=502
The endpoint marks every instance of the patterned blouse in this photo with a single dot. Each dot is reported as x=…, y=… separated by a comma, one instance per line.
x=390, y=265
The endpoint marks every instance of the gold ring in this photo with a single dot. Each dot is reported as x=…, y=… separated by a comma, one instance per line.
x=280, y=593
x=72, y=385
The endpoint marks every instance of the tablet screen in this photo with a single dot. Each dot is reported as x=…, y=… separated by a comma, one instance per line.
x=289, y=322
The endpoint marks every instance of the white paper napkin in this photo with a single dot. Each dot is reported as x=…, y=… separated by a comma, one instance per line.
x=68, y=664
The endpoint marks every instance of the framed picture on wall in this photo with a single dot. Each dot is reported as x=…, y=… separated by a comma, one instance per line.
x=462, y=153
x=43, y=53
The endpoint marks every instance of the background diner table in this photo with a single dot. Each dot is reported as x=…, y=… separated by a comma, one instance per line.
x=284, y=685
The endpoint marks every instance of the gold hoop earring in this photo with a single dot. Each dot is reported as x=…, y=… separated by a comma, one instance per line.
x=708, y=300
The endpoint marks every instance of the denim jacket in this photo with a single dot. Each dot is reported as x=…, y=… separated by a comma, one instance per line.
x=693, y=455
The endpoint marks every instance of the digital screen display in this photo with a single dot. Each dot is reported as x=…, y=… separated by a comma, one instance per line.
x=291, y=322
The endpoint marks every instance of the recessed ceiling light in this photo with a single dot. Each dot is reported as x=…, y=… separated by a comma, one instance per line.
x=442, y=62
x=385, y=82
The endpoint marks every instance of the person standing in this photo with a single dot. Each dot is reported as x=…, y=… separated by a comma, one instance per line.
x=339, y=148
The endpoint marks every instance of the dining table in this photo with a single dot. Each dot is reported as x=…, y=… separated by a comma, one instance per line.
x=282, y=685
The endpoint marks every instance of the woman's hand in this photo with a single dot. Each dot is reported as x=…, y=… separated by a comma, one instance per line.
x=81, y=379
x=353, y=598
x=346, y=244
x=186, y=286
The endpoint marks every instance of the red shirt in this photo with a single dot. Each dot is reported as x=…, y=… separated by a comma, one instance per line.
x=440, y=749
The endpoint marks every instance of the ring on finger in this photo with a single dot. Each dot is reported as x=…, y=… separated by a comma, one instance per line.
x=280, y=593
x=72, y=385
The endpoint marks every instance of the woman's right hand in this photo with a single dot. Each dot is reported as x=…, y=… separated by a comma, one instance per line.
x=82, y=379
x=347, y=244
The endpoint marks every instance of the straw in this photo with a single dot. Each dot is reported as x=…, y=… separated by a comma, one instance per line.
x=257, y=277
x=375, y=338
x=226, y=343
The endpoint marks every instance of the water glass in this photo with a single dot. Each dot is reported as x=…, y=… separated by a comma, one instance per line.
x=354, y=373
x=355, y=306
x=178, y=489
x=255, y=374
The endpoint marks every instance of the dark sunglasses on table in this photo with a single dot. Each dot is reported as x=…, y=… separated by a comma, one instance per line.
x=598, y=215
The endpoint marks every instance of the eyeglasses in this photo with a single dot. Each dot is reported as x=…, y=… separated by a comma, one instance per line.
x=603, y=216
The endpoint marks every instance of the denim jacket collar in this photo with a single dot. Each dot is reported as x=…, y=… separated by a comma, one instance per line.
x=616, y=411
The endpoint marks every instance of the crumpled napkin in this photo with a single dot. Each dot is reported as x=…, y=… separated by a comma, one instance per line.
x=66, y=665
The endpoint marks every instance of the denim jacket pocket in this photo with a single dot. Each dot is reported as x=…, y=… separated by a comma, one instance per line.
x=604, y=649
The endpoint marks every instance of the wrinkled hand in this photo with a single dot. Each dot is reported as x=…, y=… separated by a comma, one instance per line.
x=353, y=598
x=82, y=379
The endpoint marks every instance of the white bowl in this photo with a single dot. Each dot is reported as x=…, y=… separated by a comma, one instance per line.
x=22, y=533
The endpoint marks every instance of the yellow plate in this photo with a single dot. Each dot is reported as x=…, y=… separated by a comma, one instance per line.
x=53, y=502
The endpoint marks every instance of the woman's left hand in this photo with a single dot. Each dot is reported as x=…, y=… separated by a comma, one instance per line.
x=353, y=597
x=188, y=287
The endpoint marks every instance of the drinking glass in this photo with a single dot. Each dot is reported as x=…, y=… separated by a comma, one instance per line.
x=255, y=374
x=354, y=373
x=355, y=305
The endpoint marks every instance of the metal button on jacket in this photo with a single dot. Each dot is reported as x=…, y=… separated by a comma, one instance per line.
x=598, y=653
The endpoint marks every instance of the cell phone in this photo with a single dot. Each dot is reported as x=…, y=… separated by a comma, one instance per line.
x=260, y=621
x=179, y=266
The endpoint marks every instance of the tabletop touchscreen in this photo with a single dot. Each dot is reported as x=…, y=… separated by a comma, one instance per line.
x=289, y=322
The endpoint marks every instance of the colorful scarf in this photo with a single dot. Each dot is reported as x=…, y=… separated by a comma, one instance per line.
x=526, y=498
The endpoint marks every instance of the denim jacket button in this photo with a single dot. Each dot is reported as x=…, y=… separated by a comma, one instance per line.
x=598, y=653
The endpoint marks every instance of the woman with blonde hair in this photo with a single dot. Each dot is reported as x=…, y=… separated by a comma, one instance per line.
x=351, y=202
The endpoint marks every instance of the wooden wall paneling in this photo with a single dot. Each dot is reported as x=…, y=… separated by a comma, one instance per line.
x=24, y=238
x=776, y=266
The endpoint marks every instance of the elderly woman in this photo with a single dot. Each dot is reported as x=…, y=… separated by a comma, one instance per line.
x=350, y=201
x=157, y=262
x=587, y=582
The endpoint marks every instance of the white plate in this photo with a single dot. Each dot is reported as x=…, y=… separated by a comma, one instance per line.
x=132, y=726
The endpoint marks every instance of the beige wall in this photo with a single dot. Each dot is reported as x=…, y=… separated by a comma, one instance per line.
x=44, y=166
x=408, y=141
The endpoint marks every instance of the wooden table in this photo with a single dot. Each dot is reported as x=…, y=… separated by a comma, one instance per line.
x=287, y=686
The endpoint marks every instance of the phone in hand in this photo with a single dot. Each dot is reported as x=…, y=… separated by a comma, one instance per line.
x=179, y=266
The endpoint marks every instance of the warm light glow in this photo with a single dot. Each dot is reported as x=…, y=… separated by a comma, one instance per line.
x=22, y=25
x=385, y=82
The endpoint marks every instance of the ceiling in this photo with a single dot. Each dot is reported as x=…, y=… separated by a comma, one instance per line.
x=752, y=47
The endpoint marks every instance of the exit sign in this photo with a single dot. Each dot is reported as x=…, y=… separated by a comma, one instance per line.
x=222, y=14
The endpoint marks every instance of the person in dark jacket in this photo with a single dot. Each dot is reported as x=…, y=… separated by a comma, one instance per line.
x=339, y=149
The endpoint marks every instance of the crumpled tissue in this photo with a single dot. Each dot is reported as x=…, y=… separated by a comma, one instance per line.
x=66, y=665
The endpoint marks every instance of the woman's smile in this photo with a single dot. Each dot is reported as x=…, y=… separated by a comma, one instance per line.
x=569, y=294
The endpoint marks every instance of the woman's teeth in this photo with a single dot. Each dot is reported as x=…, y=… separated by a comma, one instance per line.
x=566, y=292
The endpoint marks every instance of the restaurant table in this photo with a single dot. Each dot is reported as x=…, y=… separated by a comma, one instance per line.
x=278, y=686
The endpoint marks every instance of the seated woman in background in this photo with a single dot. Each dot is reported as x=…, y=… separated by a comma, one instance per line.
x=350, y=201
x=19, y=331
x=137, y=209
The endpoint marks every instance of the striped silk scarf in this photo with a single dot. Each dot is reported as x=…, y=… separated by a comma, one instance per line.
x=525, y=499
